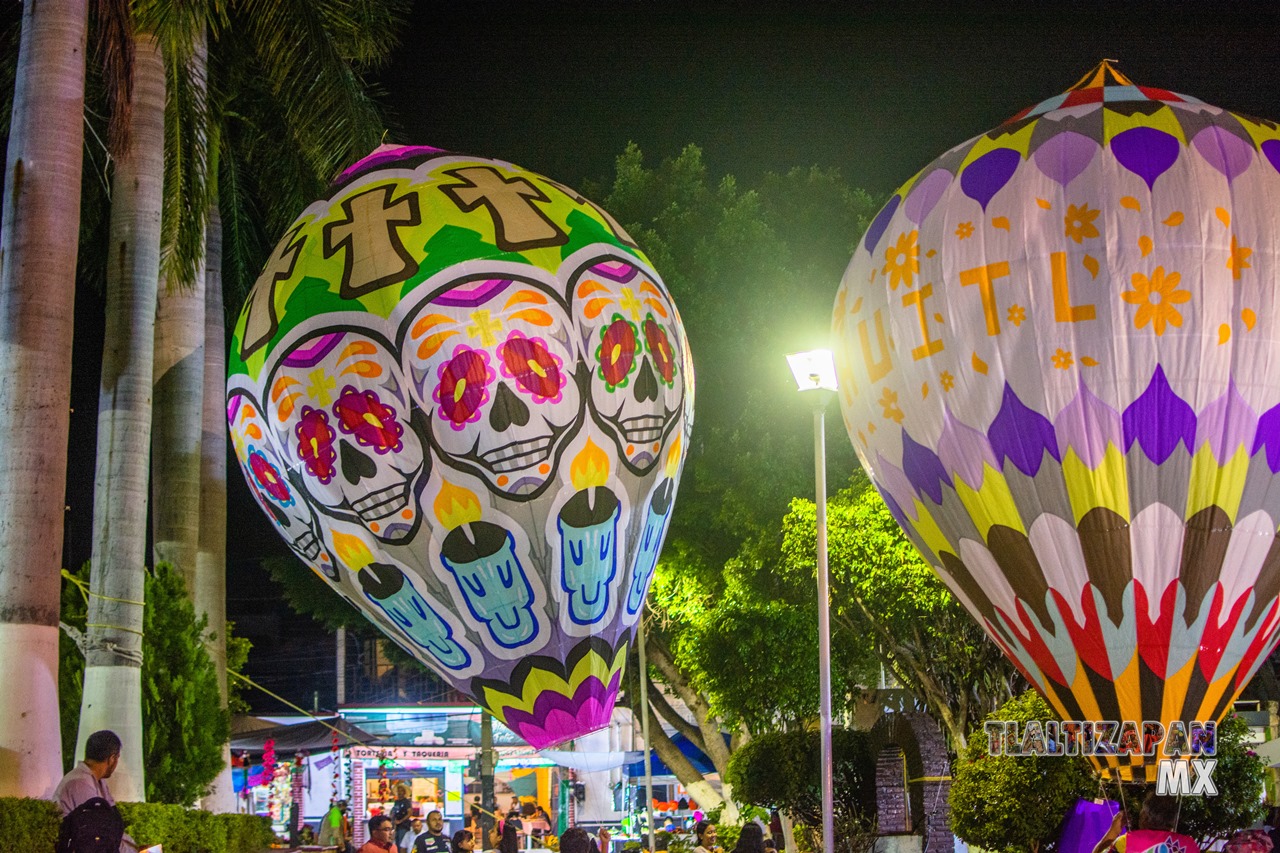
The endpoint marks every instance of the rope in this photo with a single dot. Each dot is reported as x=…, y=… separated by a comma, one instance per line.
x=112, y=627
x=302, y=711
x=86, y=592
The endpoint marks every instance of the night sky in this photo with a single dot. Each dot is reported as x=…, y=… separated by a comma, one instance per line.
x=562, y=87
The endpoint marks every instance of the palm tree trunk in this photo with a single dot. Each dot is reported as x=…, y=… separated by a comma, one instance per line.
x=211, y=561
x=179, y=395
x=38, y=241
x=112, y=696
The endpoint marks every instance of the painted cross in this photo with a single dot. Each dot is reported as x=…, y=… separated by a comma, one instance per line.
x=518, y=224
x=262, y=321
x=374, y=256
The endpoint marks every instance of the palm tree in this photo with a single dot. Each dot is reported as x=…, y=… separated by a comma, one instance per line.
x=211, y=559
x=38, y=243
x=113, y=647
x=287, y=110
x=178, y=380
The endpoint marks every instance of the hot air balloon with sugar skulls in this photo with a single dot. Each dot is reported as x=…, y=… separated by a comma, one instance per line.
x=1057, y=357
x=463, y=396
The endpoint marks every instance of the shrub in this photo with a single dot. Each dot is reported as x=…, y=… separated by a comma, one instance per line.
x=29, y=824
x=781, y=770
x=1005, y=803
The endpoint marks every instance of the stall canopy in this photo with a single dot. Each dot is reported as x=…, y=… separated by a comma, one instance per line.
x=691, y=752
x=312, y=736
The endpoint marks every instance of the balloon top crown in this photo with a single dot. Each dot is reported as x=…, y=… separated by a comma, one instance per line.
x=1103, y=85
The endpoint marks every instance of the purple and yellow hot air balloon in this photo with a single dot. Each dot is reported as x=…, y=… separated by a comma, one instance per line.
x=463, y=396
x=1057, y=350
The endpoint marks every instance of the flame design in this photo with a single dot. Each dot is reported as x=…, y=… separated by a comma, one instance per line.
x=590, y=467
x=455, y=506
x=353, y=553
x=673, y=458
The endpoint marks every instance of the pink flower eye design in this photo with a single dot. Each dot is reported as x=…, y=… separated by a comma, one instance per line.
x=534, y=368
x=315, y=443
x=372, y=422
x=464, y=386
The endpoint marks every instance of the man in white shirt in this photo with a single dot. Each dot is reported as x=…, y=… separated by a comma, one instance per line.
x=88, y=779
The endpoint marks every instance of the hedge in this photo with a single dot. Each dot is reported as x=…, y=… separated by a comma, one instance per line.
x=27, y=824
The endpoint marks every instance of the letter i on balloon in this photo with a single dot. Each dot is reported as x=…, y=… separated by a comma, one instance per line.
x=482, y=558
x=391, y=590
x=652, y=533
x=587, y=525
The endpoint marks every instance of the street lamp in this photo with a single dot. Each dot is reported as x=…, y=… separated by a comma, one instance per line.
x=815, y=374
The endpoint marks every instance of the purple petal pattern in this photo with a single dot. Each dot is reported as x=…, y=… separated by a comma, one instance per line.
x=923, y=468
x=1224, y=151
x=1022, y=435
x=1159, y=420
x=1088, y=426
x=557, y=718
x=1065, y=156
x=878, y=225
x=987, y=175
x=924, y=196
x=1268, y=437
x=1226, y=425
x=1146, y=152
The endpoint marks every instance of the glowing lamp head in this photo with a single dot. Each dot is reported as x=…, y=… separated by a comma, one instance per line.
x=814, y=370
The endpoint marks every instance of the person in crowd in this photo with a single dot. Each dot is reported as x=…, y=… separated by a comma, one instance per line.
x=704, y=832
x=335, y=828
x=463, y=842
x=1157, y=829
x=84, y=798
x=510, y=842
x=382, y=836
x=577, y=841
x=416, y=830
x=402, y=815
x=433, y=840
x=751, y=839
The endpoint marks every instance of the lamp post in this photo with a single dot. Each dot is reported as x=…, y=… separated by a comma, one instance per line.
x=815, y=375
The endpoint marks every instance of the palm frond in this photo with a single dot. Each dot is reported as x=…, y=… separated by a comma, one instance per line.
x=113, y=46
x=312, y=52
x=187, y=187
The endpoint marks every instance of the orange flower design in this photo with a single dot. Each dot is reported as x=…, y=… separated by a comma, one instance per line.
x=964, y=230
x=889, y=402
x=1238, y=260
x=947, y=380
x=902, y=261
x=1156, y=297
x=1062, y=359
x=1017, y=314
x=1079, y=222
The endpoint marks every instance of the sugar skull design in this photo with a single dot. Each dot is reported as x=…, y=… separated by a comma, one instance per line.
x=463, y=396
x=340, y=406
x=634, y=349
x=269, y=481
x=492, y=361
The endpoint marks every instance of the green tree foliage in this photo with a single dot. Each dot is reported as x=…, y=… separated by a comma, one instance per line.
x=754, y=271
x=781, y=770
x=885, y=595
x=1013, y=804
x=183, y=723
x=1239, y=779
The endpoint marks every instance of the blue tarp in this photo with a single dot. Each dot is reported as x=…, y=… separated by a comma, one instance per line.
x=695, y=756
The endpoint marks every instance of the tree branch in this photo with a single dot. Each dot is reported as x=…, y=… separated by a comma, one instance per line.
x=672, y=716
x=713, y=741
